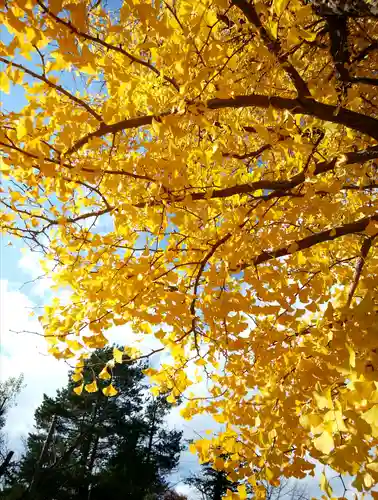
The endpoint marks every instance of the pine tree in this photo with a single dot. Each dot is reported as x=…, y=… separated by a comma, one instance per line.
x=144, y=458
x=88, y=445
x=213, y=484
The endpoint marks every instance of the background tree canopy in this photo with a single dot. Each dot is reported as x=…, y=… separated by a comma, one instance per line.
x=91, y=446
x=206, y=172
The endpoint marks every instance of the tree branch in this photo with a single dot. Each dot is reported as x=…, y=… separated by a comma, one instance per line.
x=58, y=88
x=308, y=242
x=326, y=112
x=366, y=245
x=273, y=46
x=108, y=46
x=281, y=187
x=252, y=154
x=364, y=79
x=128, y=123
x=71, y=167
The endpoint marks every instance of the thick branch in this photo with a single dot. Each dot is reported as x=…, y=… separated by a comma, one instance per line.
x=364, y=79
x=4, y=466
x=326, y=112
x=308, y=242
x=128, y=123
x=281, y=187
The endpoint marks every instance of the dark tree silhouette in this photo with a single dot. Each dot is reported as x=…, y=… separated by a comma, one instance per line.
x=90, y=447
x=9, y=390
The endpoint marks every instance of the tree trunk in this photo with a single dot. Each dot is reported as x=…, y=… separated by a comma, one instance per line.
x=87, y=459
x=218, y=487
x=151, y=435
x=38, y=465
x=4, y=466
x=91, y=463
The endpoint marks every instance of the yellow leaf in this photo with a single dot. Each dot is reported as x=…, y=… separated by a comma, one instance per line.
x=117, y=355
x=201, y=362
x=155, y=390
x=279, y=6
x=16, y=196
x=323, y=400
x=79, y=15
x=372, y=228
x=368, y=480
x=55, y=5
x=373, y=466
x=156, y=126
x=171, y=399
x=324, y=443
x=192, y=448
x=269, y=474
x=306, y=35
x=242, y=491
x=293, y=247
x=104, y=374
x=95, y=341
x=4, y=82
x=371, y=416
x=79, y=389
x=146, y=328
x=92, y=387
x=324, y=485
x=273, y=25
x=74, y=345
x=110, y=391
x=352, y=356
x=76, y=377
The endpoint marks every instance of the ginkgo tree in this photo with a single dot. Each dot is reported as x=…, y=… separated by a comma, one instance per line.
x=206, y=171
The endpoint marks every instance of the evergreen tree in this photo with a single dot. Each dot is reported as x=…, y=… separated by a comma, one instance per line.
x=173, y=495
x=143, y=459
x=213, y=484
x=89, y=445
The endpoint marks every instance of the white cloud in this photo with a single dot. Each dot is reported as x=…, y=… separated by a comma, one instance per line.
x=186, y=490
x=25, y=353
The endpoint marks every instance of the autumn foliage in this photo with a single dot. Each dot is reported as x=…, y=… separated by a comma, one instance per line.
x=206, y=171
